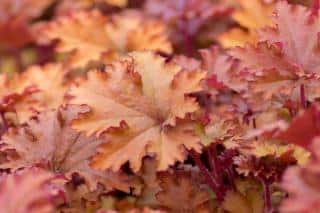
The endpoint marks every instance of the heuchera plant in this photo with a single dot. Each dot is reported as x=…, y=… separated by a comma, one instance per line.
x=113, y=106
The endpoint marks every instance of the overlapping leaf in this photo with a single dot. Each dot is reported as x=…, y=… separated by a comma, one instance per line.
x=58, y=148
x=89, y=34
x=222, y=70
x=299, y=42
x=128, y=96
x=275, y=71
x=252, y=15
x=177, y=138
x=31, y=91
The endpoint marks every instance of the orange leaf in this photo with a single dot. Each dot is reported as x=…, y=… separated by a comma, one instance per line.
x=49, y=142
x=252, y=15
x=130, y=96
x=100, y=34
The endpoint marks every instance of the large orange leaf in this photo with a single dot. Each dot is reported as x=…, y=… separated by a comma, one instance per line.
x=81, y=32
x=89, y=34
x=49, y=142
x=144, y=96
x=130, y=31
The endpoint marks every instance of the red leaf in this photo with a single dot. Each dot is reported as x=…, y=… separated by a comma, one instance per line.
x=304, y=128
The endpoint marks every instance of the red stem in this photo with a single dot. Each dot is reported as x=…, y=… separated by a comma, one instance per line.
x=266, y=196
x=303, y=96
x=211, y=153
x=211, y=181
x=230, y=174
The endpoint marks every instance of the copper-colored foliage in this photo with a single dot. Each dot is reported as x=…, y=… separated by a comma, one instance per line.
x=31, y=91
x=280, y=67
x=59, y=148
x=90, y=34
x=151, y=106
x=251, y=15
x=138, y=112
